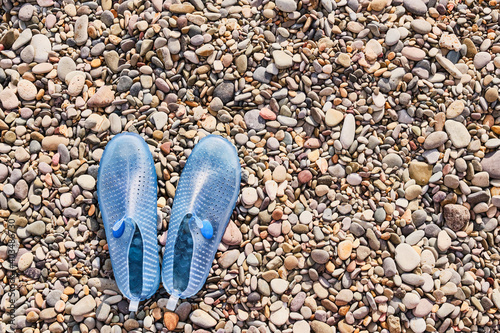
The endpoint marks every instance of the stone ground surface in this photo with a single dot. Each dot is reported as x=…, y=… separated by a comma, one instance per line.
x=367, y=133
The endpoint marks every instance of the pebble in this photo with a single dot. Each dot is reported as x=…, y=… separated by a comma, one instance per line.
x=228, y=258
x=103, y=97
x=457, y=133
x=481, y=59
x=406, y=257
x=202, y=319
x=81, y=29
x=435, y=140
x=455, y=109
x=320, y=256
x=286, y=5
x=347, y=133
x=281, y=58
x=26, y=90
x=443, y=241
x=413, y=53
x=87, y=182
x=301, y=326
x=344, y=249
x=65, y=66
x=456, y=216
x=41, y=47
x=232, y=235
x=83, y=306
x=26, y=12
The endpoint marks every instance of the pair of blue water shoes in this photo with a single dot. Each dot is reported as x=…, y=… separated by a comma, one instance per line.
x=204, y=200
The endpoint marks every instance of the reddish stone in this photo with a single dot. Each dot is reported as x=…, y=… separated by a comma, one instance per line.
x=277, y=214
x=312, y=143
x=305, y=176
x=267, y=114
x=165, y=147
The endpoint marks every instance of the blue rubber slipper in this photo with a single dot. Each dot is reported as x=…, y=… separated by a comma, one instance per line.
x=204, y=201
x=127, y=194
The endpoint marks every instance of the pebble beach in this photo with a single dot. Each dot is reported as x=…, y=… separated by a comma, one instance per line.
x=367, y=132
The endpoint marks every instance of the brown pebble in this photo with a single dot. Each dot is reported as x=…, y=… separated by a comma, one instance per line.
x=170, y=319
x=130, y=324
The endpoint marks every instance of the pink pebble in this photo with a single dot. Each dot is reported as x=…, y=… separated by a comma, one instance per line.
x=267, y=114
x=55, y=159
x=50, y=21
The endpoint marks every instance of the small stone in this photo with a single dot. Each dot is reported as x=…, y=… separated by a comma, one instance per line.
x=279, y=173
x=333, y=117
x=53, y=141
x=457, y=133
x=225, y=91
x=421, y=172
x=390, y=268
x=26, y=90
x=102, y=98
x=413, y=53
x=450, y=42
x=41, y=46
x=280, y=317
x=443, y=241
x=65, y=66
x=202, y=319
x=301, y=326
x=490, y=164
x=291, y=262
x=491, y=94
x=87, y=182
x=455, y=109
x=456, y=216
x=347, y=133
x=344, y=249
x=9, y=99
x=21, y=155
x=320, y=327
x=421, y=26
x=344, y=297
x=84, y=306
x=36, y=228
x=320, y=256
x=102, y=311
x=279, y=286
x=249, y=196
x=76, y=85
x=170, y=320
x=25, y=261
x=228, y=258
x=26, y=12
x=406, y=257
x=232, y=235
x=344, y=59
x=481, y=59
x=286, y=6
x=81, y=30
x=435, y=140
x=416, y=7
x=412, y=192
x=281, y=58
x=130, y=324
x=378, y=5
x=23, y=39
x=182, y=8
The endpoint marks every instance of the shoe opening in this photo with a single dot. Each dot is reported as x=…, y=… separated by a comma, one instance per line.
x=135, y=260
x=183, y=254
